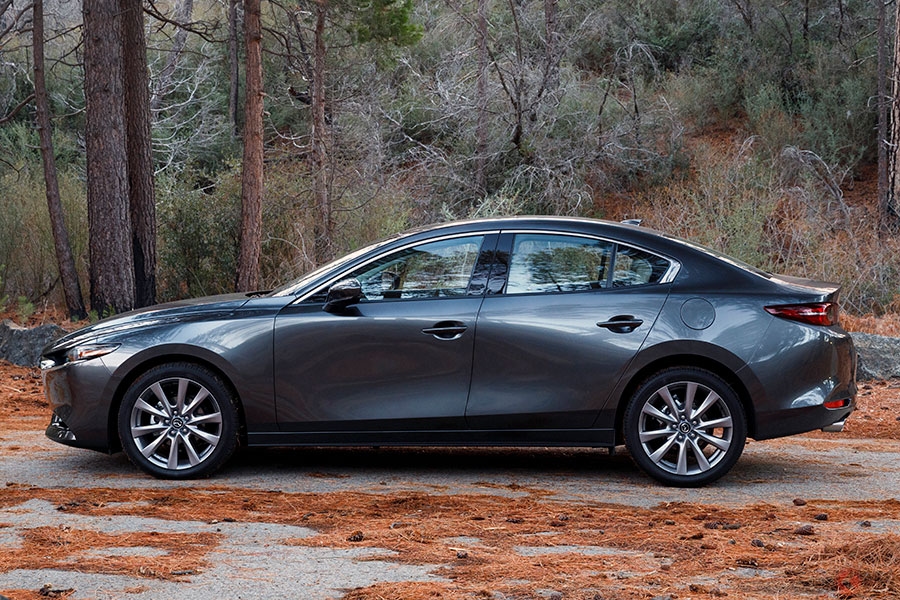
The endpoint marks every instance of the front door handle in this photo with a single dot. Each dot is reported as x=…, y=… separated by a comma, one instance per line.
x=621, y=324
x=446, y=330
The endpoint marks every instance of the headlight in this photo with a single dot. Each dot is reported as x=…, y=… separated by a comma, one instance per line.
x=89, y=351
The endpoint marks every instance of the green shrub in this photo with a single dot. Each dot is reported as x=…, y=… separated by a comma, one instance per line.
x=197, y=236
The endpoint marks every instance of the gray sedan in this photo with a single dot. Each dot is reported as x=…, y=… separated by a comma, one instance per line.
x=533, y=331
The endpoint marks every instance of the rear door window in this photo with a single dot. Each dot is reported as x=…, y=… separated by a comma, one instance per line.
x=544, y=263
x=552, y=263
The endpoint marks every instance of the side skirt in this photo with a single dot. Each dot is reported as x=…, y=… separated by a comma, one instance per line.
x=528, y=437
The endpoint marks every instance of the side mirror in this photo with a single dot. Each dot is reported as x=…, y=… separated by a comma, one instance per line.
x=342, y=294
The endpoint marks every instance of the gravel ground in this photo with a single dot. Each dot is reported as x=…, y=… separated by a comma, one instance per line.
x=253, y=560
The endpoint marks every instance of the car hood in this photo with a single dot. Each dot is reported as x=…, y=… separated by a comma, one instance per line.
x=160, y=314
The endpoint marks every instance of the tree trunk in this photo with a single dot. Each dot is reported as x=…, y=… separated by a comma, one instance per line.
x=234, y=69
x=892, y=201
x=481, y=130
x=67, y=272
x=551, y=27
x=109, y=221
x=252, y=173
x=139, y=152
x=883, y=116
x=324, y=229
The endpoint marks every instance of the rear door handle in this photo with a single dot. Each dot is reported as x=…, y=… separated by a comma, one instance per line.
x=621, y=324
x=446, y=330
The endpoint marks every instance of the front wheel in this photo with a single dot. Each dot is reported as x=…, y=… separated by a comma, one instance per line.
x=685, y=427
x=178, y=421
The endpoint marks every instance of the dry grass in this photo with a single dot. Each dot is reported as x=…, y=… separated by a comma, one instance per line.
x=489, y=543
x=888, y=324
x=176, y=556
x=858, y=568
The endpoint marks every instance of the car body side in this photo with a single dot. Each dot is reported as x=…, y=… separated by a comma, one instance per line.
x=728, y=332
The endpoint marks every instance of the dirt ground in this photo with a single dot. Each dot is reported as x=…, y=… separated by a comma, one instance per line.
x=490, y=539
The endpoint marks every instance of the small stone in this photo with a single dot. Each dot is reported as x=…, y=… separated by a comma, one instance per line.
x=356, y=536
x=865, y=524
x=462, y=554
x=805, y=530
x=821, y=517
x=758, y=544
x=799, y=502
x=669, y=522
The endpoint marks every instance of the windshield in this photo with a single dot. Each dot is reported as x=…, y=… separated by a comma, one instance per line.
x=294, y=287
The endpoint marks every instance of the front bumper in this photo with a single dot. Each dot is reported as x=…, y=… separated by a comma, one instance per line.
x=81, y=407
x=58, y=431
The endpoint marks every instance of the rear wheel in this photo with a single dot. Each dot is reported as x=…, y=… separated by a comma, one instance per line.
x=685, y=427
x=178, y=421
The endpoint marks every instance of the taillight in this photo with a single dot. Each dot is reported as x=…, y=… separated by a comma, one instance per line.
x=814, y=313
x=836, y=404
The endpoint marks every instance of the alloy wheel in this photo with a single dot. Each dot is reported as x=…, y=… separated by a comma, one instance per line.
x=176, y=423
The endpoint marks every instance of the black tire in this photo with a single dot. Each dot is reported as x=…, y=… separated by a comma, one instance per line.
x=178, y=421
x=685, y=427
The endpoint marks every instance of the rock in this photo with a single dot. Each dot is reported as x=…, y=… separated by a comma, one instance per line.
x=879, y=356
x=799, y=502
x=356, y=536
x=22, y=346
x=805, y=530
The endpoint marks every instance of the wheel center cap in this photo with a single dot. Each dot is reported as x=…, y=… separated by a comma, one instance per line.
x=685, y=427
x=177, y=423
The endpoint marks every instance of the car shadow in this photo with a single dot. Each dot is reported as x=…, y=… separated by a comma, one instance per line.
x=471, y=460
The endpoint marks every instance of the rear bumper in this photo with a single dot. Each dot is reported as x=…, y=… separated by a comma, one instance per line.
x=818, y=370
x=801, y=420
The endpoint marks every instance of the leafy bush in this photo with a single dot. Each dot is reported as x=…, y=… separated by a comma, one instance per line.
x=198, y=236
x=26, y=243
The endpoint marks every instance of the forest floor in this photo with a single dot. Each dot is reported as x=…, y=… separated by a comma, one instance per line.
x=813, y=516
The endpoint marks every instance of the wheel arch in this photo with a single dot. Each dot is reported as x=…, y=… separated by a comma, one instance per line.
x=137, y=369
x=702, y=361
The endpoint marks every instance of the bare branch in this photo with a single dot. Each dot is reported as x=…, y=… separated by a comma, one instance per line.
x=17, y=109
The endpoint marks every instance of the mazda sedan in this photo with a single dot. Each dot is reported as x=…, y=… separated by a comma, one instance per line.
x=532, y=331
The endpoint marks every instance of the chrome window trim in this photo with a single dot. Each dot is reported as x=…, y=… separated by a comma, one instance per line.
x=668, y=276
